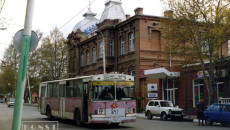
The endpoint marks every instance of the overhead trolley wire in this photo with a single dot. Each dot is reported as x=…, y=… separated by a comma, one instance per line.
x=76, y=15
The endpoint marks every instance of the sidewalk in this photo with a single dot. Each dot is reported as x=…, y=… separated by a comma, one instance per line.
x=32, y=104
x=187, y=117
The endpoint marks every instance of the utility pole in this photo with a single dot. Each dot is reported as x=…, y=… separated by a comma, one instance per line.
x=21, y=80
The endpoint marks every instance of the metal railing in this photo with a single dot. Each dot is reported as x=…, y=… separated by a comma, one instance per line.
x=225, y=100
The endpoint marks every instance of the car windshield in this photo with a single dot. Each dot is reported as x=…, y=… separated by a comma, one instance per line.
x=125, y=91
x=12, y=100
x=166, y=104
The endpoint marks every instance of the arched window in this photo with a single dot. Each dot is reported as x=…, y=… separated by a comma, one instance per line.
x=87, y=54
x=122, y=45
x=111, y=47
x=101, y=49
x=82, y=59
x=94, y=55
x=131, y=42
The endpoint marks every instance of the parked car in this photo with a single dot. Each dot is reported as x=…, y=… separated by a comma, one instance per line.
x=11, y=102
x=219, y=113
x=2, y=100
x=164, y=109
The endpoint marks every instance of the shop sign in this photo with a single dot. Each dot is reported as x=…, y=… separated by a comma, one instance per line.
x=200, y=74
x=152, y=91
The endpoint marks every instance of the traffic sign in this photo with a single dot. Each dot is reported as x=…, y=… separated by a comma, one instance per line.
x=17, y=40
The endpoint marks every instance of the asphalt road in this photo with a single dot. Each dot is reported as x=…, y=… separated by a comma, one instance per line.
x=30, y=113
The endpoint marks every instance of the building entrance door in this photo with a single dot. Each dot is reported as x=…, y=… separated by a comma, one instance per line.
x=219, y=92
x=170, y=91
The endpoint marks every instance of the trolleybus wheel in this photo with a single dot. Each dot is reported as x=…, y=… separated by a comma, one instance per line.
x=78, y=117
x=48, y=113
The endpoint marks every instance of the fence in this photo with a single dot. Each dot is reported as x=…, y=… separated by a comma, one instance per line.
x=225, y=100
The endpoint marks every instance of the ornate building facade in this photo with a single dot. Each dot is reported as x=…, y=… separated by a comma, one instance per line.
x=132, y=46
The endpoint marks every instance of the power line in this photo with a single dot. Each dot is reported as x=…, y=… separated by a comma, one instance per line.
x=75, y=15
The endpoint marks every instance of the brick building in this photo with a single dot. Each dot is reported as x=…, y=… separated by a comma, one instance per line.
x=132, y=46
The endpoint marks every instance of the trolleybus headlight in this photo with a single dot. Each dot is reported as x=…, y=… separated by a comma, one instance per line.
x=99, y=111
x=129, y=110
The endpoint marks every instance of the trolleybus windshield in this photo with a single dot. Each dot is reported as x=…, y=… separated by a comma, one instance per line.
x=125, y=91
x=105, y=90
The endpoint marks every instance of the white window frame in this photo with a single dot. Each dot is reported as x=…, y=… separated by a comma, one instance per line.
x=196, y=85
x=94, y=55
x=111, y=47
x=82, y=59
x=101, y=49
x=132, y=72
x=122, y=45
x=205, y=46
x=131, y=42
x=87, y=54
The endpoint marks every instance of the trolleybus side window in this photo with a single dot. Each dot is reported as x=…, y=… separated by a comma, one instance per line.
x=78, y=85
x=52, y=90
x=69, y=89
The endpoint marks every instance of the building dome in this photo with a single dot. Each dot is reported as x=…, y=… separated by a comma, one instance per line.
x=113, y=10
x=88, y=24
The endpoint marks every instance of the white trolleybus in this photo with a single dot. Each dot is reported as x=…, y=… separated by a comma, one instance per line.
x=104, y=98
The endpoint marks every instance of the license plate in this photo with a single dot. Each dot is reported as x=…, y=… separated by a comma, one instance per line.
x=177, y=115
x=114, y=111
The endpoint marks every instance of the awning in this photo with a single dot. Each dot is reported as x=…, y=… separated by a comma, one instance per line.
x=160, y=73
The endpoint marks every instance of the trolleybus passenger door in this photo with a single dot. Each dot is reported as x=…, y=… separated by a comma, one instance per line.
x=42, y=100
x=61, y=107
x=85, y=101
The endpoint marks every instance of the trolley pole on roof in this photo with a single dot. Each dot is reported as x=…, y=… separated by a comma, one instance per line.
x=21, y=80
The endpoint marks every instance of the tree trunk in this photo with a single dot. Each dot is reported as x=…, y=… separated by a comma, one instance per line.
x=211, y=94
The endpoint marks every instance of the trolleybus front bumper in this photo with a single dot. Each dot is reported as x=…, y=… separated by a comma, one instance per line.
x=104, y=119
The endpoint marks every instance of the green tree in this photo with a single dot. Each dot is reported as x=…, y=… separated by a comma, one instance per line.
x=9, y=69
x=53, y=56
x=198, y=32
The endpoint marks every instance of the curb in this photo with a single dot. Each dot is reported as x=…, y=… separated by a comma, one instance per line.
x=187, y=118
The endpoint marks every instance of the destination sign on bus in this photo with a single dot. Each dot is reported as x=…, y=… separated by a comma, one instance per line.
x=125, y=83
x=103, y=83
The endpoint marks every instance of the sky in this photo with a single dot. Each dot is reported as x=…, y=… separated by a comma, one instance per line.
x=56, y=13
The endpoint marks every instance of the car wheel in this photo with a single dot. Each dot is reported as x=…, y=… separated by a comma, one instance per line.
x=149, y=115
x=224, y=123
x=164, y=116
x=208, y=121
x=78, y=117
x=181, y=118
x=48, y=113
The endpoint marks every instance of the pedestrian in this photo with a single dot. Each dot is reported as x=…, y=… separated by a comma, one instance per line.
x=200, y=110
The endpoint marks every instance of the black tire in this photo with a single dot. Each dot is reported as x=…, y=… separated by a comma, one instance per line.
x=208, y=121
x=149, y=115
x=78, y=120
x=48, y=113
x=114, y=124
x=164, y=116
x=224, y=123
x=181, y=118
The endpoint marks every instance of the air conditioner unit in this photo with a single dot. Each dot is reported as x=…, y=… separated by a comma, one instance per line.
x=223, y=73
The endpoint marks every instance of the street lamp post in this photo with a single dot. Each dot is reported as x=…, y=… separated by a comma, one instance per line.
x=21, y=80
